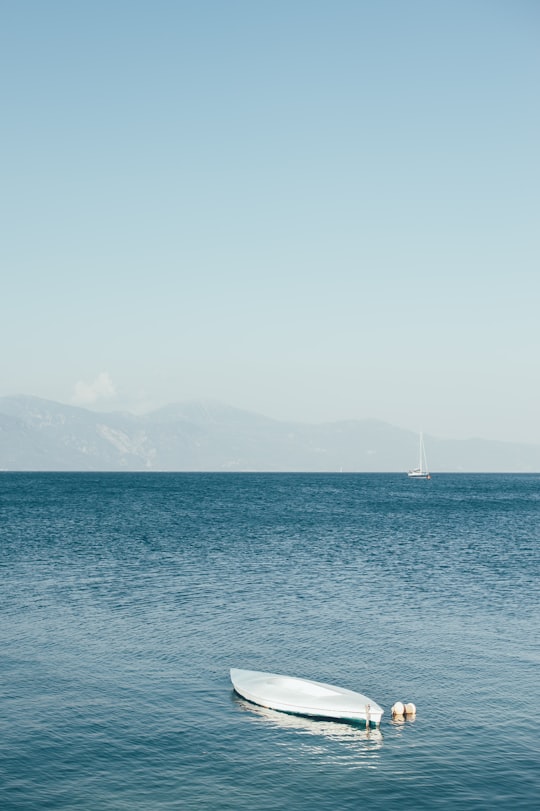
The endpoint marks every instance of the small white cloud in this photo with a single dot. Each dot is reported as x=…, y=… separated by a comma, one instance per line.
x=102, y=388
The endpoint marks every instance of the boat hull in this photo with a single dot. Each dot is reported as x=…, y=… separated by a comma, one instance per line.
x=305, y=697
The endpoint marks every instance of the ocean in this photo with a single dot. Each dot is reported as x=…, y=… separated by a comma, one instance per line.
x=126, y=598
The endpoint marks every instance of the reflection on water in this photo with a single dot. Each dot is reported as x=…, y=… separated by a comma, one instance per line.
x=400, y=721
x=337, y=741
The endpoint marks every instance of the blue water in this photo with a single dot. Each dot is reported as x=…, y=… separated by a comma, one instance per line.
x=126, y=598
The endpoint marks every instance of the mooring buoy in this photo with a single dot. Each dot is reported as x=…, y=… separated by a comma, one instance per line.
x=398, y=711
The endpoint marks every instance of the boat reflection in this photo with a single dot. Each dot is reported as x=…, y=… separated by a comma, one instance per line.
x=357, y=744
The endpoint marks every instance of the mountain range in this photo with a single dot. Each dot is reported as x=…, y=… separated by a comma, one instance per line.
x=42, y=435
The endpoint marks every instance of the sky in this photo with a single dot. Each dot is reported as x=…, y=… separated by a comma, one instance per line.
x=311, y=209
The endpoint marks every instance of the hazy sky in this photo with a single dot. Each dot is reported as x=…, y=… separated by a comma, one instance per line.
x=313, y=209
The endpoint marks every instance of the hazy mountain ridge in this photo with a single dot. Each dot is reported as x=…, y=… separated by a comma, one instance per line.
x=40, y=435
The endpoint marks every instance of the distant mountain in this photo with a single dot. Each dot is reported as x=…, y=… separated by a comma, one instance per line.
x=42, y=435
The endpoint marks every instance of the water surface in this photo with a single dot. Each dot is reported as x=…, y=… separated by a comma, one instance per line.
x=126, y=598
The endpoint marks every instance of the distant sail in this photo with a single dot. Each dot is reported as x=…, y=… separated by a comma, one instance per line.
x=422, y=471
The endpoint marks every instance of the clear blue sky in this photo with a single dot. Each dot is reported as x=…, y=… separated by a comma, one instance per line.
x=313, y=210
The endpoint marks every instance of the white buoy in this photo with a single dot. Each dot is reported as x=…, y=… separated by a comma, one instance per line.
x=398, y=711
x=410, y=709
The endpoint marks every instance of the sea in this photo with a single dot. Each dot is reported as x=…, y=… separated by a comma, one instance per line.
x=127, y=597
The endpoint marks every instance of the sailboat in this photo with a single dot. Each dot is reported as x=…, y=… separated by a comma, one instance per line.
x=420, y=472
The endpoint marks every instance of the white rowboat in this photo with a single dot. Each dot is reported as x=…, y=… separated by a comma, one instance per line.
x=305, y=697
